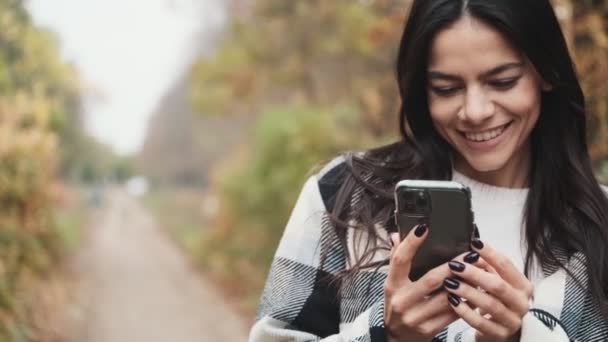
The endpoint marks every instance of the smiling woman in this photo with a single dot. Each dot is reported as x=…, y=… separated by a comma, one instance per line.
x=484, y=99
x=490, y=99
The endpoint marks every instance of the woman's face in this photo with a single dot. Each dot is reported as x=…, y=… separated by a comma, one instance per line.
x=484, y=99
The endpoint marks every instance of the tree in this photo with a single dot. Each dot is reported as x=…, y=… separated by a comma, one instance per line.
x=181, y=145
x=306, y=52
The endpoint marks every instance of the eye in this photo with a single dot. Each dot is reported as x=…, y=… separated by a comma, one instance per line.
x=504, y=84
x=445, y=91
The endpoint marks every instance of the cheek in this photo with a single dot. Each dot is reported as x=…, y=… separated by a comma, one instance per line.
x=524, y=101
x=444, y=112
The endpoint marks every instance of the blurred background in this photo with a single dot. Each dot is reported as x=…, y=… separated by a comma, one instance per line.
x=151, y=150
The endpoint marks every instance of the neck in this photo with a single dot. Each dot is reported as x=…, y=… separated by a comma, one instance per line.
x=514, y=174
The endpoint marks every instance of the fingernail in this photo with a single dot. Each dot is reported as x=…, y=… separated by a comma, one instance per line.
x=477, y=244
x=476, y=232
x=471, y=258
x=451, y=283
x=453, y=299
x=421, y=229
x=456, y=266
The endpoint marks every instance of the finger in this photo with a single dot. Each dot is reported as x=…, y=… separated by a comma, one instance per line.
x=492, y=283
x=427, y=309
x=417, y=291
x=474, y=258
x=401, y=258
x=485, y=302
x=481, y=263
x=434, y=325
x=475, y=320
x=503, y=266
x=395, y=239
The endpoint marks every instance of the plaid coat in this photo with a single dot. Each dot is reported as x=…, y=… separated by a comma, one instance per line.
x=301, y=303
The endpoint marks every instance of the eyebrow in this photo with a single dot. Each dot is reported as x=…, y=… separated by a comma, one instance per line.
x=493, y=72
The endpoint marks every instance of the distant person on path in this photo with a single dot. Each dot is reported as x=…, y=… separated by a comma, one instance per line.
x=490, y=100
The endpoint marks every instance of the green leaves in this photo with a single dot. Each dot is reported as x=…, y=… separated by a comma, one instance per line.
x=258, y=190
x=36, y=91
x=311, y=52
x=318, y=77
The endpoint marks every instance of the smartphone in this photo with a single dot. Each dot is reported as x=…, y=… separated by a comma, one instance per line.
x=445, y=206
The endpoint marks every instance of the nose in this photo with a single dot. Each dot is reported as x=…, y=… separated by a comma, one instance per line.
x=477, y=107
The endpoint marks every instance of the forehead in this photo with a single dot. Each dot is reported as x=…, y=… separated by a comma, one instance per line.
x=470, y=46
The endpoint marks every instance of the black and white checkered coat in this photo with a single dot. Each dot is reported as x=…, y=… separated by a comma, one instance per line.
x=300, y=303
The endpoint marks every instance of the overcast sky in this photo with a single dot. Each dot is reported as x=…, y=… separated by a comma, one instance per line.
x=129, y=51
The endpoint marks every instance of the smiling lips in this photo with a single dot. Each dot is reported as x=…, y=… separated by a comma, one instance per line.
x=486, y=135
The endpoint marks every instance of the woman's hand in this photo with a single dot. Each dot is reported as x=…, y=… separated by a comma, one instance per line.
x=411, y=313
x=497, y=288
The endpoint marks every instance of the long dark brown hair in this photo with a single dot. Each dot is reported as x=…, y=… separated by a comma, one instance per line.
x=566, y=206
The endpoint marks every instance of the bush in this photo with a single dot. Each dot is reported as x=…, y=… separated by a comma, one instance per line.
x=258, y=189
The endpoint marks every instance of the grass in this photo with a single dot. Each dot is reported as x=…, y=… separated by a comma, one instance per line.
x=178, y=211
x=43, y=296
x=68, y=226
x=70, y=216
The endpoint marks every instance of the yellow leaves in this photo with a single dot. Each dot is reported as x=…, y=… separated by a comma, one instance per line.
x=387, y=29
x=594, y=24
x=591, y=57
x=36, y=88
x=9, y=25
x=28, y=153
x=372, y=103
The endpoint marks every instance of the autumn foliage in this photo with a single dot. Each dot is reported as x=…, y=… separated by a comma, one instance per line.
x=35, y=89
x=312, y=59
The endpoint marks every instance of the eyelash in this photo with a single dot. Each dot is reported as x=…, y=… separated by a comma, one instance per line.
x=505, y=84
x=446, y=91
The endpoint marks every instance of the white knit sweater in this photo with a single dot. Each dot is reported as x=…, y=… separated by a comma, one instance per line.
x=499, y=218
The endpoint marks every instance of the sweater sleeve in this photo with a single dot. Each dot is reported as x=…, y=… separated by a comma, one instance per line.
x=300, y=302
x=542, y=322
x=564, y=309
x=538, y=325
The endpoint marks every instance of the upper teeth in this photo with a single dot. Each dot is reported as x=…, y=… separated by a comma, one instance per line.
x=485, y=136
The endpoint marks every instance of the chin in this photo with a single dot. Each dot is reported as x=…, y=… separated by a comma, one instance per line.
x=486, y=164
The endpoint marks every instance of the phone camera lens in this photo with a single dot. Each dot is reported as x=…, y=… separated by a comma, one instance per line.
x=421, y=201
x=408, y=196
x=408, y=201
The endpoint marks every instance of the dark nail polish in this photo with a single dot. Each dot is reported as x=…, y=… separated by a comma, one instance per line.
x=471, y=258
x=451, y=283
x=421, y=229
x=453, y=299
x=477, y=244
x=456, y=266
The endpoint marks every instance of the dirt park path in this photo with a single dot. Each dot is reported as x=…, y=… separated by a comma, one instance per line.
x=134, y=285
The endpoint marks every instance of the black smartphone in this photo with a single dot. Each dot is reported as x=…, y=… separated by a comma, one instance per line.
x=445, y=206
